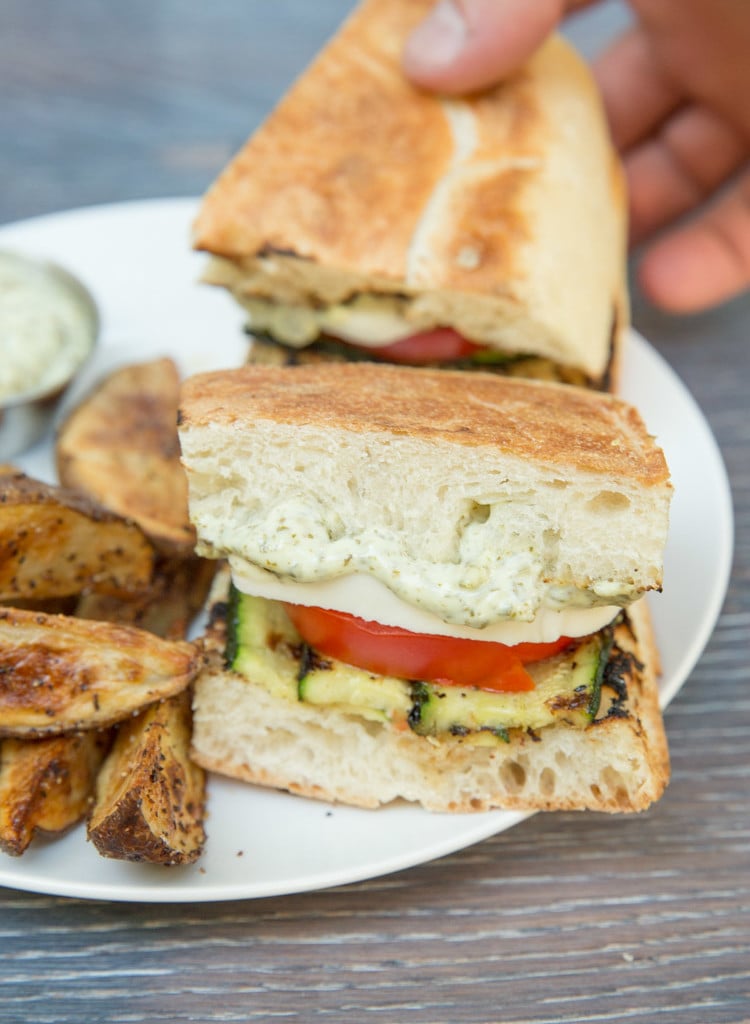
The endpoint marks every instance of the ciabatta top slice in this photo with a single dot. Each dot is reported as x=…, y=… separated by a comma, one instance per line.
x=476, y=497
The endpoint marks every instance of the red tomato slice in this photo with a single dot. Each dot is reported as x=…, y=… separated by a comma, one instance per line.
x=447, y=660
x=442, y=343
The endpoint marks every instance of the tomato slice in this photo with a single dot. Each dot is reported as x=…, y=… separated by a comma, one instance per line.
x=389, y=650
x=440, y=344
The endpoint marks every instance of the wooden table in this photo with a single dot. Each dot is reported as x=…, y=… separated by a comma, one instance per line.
x=563, y=918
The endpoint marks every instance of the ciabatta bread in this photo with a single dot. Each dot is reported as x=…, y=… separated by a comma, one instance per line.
x=501, y=214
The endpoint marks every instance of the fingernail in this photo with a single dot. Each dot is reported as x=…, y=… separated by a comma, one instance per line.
x=441, y=36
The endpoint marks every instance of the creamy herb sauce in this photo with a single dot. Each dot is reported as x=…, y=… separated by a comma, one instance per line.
x=489, y=581
x=45, y=330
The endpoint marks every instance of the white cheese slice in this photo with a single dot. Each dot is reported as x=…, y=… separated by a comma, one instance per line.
x=370, y=321
x=368, y=598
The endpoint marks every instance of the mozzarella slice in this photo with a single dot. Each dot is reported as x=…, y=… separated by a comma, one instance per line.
x=369, y=321
x=367, y=598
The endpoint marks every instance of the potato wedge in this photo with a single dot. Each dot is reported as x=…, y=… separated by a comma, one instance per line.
x=46, y=785
x=120, y=447
x=59, y=674
x=150, y=797
x=54, y=543
x=177, y=593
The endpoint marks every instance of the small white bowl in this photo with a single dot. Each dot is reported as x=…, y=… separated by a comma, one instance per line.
x=27, y=414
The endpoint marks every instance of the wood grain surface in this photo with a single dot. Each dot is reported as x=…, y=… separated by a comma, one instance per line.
x=565, y=918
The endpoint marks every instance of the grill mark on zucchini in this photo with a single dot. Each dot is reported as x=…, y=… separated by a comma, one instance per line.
x=420, y=695
x=577, y=700
x=621, y=666
x=232, y=611
x=309, y=660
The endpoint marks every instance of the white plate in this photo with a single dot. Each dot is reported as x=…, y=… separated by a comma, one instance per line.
x=137, y=262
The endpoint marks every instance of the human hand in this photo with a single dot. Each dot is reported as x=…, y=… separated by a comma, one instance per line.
x=676, y=87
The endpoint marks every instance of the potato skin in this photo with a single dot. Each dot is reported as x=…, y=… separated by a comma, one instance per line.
x=120, y=447
x=177, y=593
x=150, y=797
x=46, y=785
x=60, y=674
x=55, y=542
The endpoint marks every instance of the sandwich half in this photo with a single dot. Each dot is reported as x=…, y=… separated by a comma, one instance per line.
x=370, y=219
x=434, y=588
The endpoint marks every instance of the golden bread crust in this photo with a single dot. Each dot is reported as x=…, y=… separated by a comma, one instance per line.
x=501, y=214
x=536, y=421
x=313, y=180
x=342, y=170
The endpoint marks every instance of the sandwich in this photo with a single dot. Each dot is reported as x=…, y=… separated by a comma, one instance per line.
x=368, y=219
x=433, y=588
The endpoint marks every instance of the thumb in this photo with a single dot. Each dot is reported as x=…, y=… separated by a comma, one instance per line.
x=465, y=45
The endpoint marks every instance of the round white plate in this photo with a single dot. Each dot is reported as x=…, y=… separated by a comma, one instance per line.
x=136, y=260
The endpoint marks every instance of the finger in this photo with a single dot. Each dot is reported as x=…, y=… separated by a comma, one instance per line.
x=694, y=153
x=464, y=45
x=705, y=263
x=637, y=94
x=705, y=43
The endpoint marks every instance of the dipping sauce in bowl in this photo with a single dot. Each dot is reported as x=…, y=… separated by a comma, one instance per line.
x=48, y=328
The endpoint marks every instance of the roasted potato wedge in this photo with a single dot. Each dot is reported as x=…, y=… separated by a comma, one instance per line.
x=120, y=447
x=54, y=543
x=59, y=674
x=150, y=797
x=46, y=785
x=177, y=593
